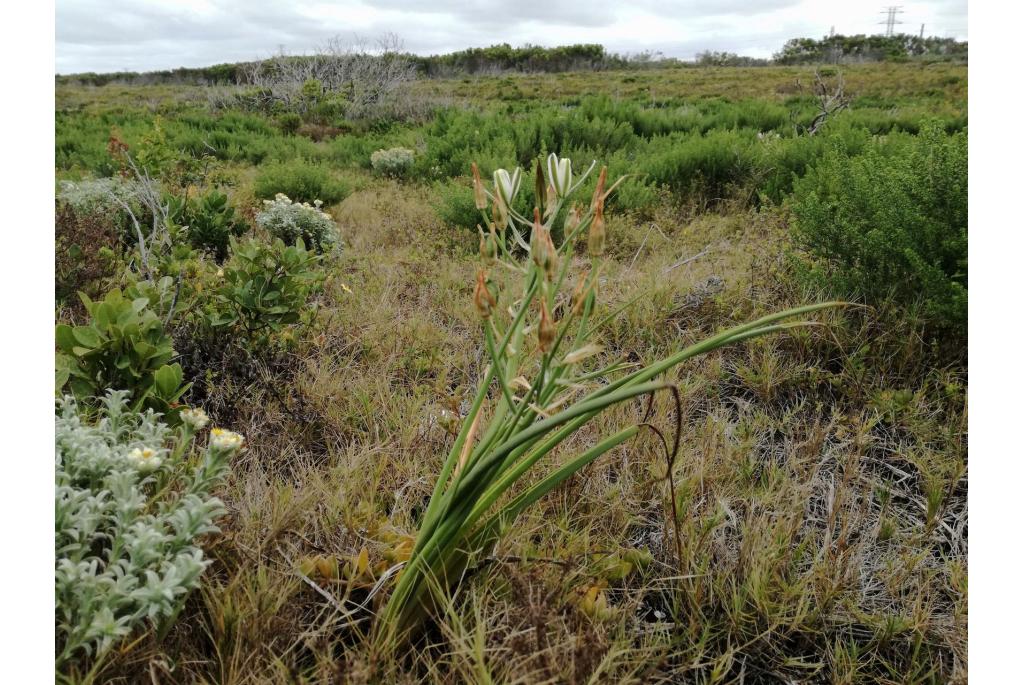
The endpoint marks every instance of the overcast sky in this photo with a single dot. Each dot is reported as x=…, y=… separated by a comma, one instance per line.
x=142, y=35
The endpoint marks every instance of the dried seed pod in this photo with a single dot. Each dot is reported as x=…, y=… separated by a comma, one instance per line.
x=572, y=220
x=483, y=298
x=596, y=237
x=478, y=189
x=542, y=249
x=546, y=329
x=598, y=198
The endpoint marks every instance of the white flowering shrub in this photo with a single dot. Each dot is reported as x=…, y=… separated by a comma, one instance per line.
x=396, y=161
x=131, y=503
x=290, y=221
x=99, y=196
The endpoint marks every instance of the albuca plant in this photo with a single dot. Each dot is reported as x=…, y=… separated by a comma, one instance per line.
x=539, y=385
x=292, y=221
x=396, y=161
x=131, y=503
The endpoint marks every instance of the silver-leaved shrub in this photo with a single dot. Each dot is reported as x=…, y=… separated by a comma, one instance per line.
x=131, y=503
x=396, y=161
x=290, y=221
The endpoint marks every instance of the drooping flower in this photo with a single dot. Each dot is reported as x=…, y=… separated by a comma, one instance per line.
x=507, y=184
x=560, y=174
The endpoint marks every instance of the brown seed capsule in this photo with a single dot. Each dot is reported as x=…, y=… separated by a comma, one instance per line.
x=595, y=239
x=542, y=248
x=579, y=295
x=546, y=329
x=478, y=189
x=483, y=298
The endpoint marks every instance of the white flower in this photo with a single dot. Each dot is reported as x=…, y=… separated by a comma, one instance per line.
x=223, y=439
x=560, y=174
x=145, y=459
x=196, y=418
x=507, y=184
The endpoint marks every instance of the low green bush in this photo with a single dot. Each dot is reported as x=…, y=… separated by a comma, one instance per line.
x=300, y=181
x=264, y=288
x=208, y=221
x=131, y=503
x=891, y=222
x=123, y=347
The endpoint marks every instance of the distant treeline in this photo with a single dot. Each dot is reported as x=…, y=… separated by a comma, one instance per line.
x=840, y=49
x=581, y=57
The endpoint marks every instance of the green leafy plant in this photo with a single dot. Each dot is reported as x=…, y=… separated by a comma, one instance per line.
x=473, y=504
x=131, y=501
x=208, y=221
x=292, y=221
x=890, y=223
x=300, y=181
x=123, y=347
x=265, y=287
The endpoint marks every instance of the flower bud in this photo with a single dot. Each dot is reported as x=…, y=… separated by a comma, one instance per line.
x=478, y=189
x=595, y=240
x=194, y=418
x=483, y=298
x=546, y=329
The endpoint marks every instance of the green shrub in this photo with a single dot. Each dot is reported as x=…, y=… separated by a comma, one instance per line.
x=292, y=221
x=395, y=162
x=131, y=502
x=123, y=347
x=208, y=221
x=453, y=203
x=265, y=288
x=289, y=123
x=300, y=181
x=890, y=222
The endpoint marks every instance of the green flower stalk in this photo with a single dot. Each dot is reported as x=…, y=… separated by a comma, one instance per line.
x=512, y=427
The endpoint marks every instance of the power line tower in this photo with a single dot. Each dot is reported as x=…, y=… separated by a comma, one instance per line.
x=891, y=20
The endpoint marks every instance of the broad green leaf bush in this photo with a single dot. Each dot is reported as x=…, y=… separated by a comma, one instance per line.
x=890, y=223
x=132, y=501
x=395, y=162
x=208, y=222
x=300, y=181
x=292, y=221
x=123, y=347
x=265, y=287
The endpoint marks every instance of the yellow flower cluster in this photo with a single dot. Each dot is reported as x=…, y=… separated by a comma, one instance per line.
x=145, y=459
x=223, y=439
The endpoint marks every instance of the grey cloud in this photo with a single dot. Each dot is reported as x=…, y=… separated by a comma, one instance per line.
x=136, y=35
